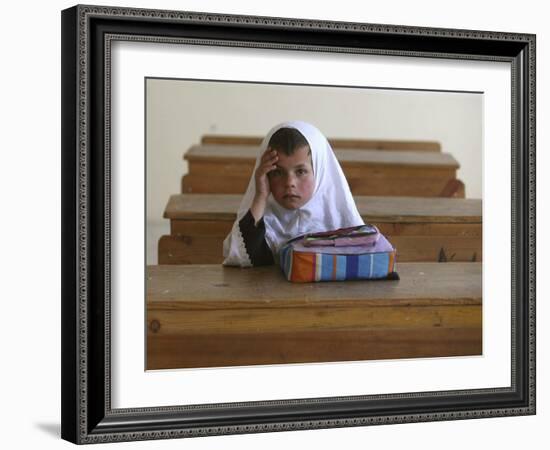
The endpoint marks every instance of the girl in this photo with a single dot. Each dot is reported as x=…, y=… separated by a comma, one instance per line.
x=298, y=187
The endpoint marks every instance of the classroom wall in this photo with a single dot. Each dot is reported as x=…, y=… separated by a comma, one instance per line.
x=179, y=112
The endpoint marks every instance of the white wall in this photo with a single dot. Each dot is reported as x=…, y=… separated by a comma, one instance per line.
x=30, y=226
x=179, y=112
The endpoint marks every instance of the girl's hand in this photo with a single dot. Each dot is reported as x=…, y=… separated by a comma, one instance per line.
x=267, y=164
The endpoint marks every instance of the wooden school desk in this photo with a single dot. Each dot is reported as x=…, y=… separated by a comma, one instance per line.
x=422, y=229
x=227, y=169
x=367, y=144
x=211, y=316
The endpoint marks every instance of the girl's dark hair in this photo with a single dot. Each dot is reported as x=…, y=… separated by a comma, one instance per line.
x=287, y=140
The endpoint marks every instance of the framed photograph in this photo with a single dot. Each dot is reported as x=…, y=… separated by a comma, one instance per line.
x=411, y=190
x=163, y=116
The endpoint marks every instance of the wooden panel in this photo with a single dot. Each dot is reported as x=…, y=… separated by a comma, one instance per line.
x=381, y=209
x=176, y=321
x=206, y=286
x=199, y=184
x=369, y=144
x=185, y=249
x=224, y=154
x=352, y=170
x=205, y=228
x=201, y=249
x=373, y=184
x=454, y=189
x=205, y=350
x=422, y=174
x=421, y=229
x=205, y=316
x=213, y=229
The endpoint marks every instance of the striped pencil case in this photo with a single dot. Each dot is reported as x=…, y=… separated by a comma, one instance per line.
x=357, y=253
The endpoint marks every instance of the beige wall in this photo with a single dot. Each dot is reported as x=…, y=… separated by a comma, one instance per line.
x=179, y=112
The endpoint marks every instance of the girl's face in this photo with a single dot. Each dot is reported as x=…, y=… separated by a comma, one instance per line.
x=292, y=183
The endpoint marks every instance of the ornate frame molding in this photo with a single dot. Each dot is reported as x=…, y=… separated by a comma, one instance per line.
x=85, y=421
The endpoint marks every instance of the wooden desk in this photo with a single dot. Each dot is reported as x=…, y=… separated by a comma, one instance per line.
x=367, y=144
x=210, y=315
x=227, y=169
x=422, y=229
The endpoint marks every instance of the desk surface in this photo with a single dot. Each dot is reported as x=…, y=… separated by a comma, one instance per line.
x=225, y=153
x=374, y=209
x=369, y=144
x=191, y=287
x=210, y=315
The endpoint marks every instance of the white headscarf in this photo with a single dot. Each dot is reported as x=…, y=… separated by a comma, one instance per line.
x=331, y=206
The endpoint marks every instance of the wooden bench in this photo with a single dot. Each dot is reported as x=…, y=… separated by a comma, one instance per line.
x=210, y=315
x=368, y=144
x=227, y=169
x=422, y=229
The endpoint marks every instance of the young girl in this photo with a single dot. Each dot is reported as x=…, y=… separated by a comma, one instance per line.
x=297, y=187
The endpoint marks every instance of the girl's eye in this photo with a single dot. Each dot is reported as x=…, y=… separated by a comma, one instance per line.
x=302, y=171
x=275, y=172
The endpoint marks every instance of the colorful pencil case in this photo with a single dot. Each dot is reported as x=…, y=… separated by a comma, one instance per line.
x=360, y=259
x=343, y=237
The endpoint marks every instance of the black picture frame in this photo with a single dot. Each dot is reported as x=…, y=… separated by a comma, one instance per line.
x=87, y=415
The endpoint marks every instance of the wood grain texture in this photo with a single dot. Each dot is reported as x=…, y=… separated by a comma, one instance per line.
x=371, y=182
x=372, y=172
x=247, y=155
x=208, y=286
x=192, y=350
x=372, y=208
x=369, y=144
x=421, y=229
x=210, y=315
x=190, y=248
x=261, y=320
x=220, y=228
